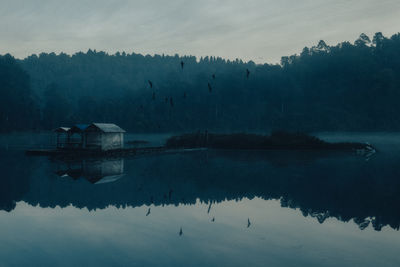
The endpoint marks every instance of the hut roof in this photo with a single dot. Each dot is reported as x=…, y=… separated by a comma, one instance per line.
x=82, y=126
x=61, y=130
x=77, y=128
x=107, y=127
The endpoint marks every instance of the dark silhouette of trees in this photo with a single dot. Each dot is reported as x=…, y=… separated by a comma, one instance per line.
x=17, y=107
x=342, y=87
x=56, y=107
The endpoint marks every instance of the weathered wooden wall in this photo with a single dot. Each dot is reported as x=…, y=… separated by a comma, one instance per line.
x=112, y=141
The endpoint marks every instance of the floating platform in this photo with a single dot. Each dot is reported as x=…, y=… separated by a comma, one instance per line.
x=78, y=153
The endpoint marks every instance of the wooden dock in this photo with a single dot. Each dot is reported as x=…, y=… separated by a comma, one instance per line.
x=78, y=153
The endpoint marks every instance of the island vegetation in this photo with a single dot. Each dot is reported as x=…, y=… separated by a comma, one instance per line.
x=277, y=140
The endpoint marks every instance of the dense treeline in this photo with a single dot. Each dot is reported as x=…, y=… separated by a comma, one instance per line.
x=343, y=87
x=18, y=110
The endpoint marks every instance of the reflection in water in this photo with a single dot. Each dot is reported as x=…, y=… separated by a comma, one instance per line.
x=203, y=208
x=320, y=185
x=96, y=171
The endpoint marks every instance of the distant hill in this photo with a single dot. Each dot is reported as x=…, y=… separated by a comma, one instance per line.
x=349, y=86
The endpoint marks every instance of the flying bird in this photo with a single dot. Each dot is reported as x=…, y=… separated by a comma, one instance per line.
x=148, y=212
x=180, y=232
x=150, y=83
x=182, y=64
x=248, y=223
x=209, y=87
x=213, y=76
x=247, y=73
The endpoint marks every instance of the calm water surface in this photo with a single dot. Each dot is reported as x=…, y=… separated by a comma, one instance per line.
x=214, y=208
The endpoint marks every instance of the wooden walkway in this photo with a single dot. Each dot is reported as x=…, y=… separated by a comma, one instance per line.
x=93, y=153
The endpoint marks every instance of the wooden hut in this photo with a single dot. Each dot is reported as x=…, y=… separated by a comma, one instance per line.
x=62, y=137
x=95, y=136
x=103, y=136
x=76, y=135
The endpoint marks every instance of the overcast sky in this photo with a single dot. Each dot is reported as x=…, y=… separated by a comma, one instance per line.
x=259, y=30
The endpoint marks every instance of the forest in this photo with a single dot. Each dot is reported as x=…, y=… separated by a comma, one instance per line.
x=346, y=87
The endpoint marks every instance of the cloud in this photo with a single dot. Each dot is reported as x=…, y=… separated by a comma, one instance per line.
x=259, y=30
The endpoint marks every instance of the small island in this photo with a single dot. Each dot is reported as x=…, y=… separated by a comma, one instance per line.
x=275, y=141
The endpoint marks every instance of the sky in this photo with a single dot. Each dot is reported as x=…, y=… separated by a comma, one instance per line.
x=258, y=30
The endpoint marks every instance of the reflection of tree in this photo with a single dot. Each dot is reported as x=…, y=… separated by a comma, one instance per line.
x=321, y=186
x=14, y=180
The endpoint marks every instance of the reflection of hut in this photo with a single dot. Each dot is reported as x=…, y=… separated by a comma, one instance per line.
x=95, y=136
x=95, y=171
x=104, y=171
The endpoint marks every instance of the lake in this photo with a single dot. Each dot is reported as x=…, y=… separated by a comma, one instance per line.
x=202, y=208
